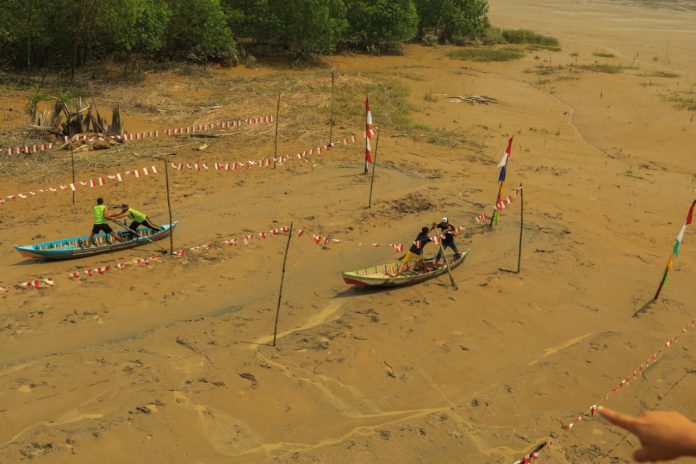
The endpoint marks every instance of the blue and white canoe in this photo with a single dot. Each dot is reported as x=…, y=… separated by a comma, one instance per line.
x=71, y=248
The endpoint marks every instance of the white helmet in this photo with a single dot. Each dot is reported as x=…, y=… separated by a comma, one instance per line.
x=444, y=219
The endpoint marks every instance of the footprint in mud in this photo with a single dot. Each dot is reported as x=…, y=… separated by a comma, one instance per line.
x=226, y=434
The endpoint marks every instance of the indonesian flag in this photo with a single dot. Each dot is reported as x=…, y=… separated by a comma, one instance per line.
x=503, y=162
x=368, y=135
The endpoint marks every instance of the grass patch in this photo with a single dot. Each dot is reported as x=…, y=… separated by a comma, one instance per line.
x=665, y=74
x=487, y=54
x=683, y=99
x=533, y=41
x=604, y=54
x=525, y=36
x=542, y=70
x=603, y=68
x=429, y=97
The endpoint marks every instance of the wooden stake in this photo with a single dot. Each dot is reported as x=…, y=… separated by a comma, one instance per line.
x=275, y=149
x=374, y=163
x=519, y=250
x=331, y=121
x=169, y=207
x=280, y=292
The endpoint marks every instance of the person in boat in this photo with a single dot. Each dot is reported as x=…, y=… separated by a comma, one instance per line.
x=137, y=219
x=101, y=223
x=447, y=234
x=415, y=253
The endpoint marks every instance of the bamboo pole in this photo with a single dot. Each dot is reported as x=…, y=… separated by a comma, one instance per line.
x=280, y=292
x=444, y=256
x=275, y=149
x=169, y=207
x=495, y=208
x=374, y=163
x=331, y=110
x=519, y=250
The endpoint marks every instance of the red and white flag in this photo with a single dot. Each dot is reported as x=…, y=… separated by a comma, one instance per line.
x=368, y=135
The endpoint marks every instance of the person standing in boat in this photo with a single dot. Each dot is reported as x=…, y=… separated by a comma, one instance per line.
x=415, y=253
x=447, y=234
x=101, y=223
x=137, y=219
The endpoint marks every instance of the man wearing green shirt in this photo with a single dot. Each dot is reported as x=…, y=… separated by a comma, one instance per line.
x=101, y=223
x=137, y=219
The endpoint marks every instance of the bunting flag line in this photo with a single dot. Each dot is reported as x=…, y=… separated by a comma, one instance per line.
x=592, y=409
x=219, y=166
x=316, y=238
x=675, y=250
x=368, y=135
x=127, y=137
x=91, y=183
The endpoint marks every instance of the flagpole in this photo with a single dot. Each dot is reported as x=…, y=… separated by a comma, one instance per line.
x=519, y=250
x=501, y=180
x=368, y=133
x=675, y=249
x=494, y=216
x=374, y=163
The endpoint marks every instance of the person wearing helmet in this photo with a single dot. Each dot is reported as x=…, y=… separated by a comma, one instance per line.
x=137, y=219
x=447, y=234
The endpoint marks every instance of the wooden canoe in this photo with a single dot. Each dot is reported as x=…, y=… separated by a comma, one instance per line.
x=76, y=247
x=379, y=276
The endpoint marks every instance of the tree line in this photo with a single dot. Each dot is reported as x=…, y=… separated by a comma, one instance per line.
x=71, y=33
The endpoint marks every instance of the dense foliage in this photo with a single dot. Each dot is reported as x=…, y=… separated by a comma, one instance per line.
x=70, y=33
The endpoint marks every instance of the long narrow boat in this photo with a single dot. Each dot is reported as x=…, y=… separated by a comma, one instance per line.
x=382, y=276
x=76, y=247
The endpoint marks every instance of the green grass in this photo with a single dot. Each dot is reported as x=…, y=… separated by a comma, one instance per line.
x=666, y=74
x=525, y=36
x=429, y=97
x=604, y=54
x=683, y=99
x=487, y=54
x=603, y=68
x=533, y=41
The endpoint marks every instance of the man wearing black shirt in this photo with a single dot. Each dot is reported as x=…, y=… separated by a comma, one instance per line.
x=449, y=232
x=415, y=253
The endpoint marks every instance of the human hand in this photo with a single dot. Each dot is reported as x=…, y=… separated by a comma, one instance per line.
x=663, y=435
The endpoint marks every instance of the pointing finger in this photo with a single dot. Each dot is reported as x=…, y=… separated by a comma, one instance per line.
x=622, y=420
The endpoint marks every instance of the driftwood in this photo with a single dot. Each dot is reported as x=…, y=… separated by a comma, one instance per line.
x=472, y=99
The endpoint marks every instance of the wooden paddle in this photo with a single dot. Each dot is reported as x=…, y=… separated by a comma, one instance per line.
x=164, y=251
x=444, y=256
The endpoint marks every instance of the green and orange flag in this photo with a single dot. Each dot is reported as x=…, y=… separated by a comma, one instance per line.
x=675, y=250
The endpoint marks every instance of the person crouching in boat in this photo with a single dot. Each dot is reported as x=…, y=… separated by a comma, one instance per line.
x=137, y=219
x=101, y=224
x=448, y=231
x=415, y=253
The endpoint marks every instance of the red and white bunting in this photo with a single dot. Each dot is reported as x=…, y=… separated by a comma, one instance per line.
x=592, y=409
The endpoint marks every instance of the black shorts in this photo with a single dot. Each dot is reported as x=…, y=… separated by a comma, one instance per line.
x=101, y=228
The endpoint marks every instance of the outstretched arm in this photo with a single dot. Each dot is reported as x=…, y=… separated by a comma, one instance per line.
x=116, y=216
x=663, y=435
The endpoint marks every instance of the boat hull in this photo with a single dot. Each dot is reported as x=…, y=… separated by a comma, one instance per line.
x=379, y=277
x=71, y=248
